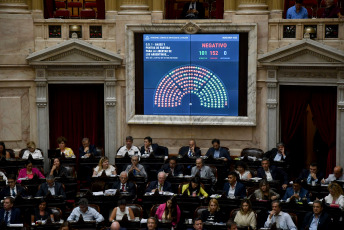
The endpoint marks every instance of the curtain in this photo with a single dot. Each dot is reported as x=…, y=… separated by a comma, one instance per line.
x=76, y=111
x=324, y=106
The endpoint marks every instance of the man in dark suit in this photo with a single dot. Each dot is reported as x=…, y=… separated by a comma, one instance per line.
x=123, y=185
x=272, y=173
x=12, y=189
x=8, y=214
x=193, y=10
x=55, y=188
x=278, y=154
x=86, y=150
x=234, y=188
x=191, y=151
x=296, y=192
x=148, y=148
x=311, y=176
x=318, y=219
x=172, y=168
x=217, y=151
x=161, y=184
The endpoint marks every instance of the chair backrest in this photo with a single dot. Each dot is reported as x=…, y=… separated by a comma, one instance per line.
x=199, y=211
x=214, y=170
x=57, y=213
x=233, y=213
x=100, y=151
x=137, y=210
x=71, y=171
x=252, y=152
x=153, y=210
x=96, y=207
x=162, y=150
x=293, y=217
x=11, y=152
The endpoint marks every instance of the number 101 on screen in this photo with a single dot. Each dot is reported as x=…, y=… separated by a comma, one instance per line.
x=215, y=53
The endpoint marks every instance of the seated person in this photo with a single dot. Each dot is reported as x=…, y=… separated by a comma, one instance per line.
x=194, y=188
x=3, y=177
x=104, y=166
x=278, y=154
x=193, y=10
x=297, y=11
x=282, y=219
x=242, y=171
x=191, y=151
x=86, y=150
x=29, y=172
x=55, y=188
x=337, y=175
x=231, y=225
x=264, y=192
x=172, y=168
x=121, y=210
x=9, y=214
x=88, y=213
x=311, y=176
x=318, y=219
x=57, y=170
x=331, y=10
x=148, y=148
x=203, y=171
x=234, y=188
x=246, y=217
x=335, y=198
x=169, y=211
x=296, y=192
x=135, y=168
x=213, y=213
x=123, y=185
x=161, y=184
x=128, y=148
x=3, y=152
x=68, y=152
x=271, y=173
x=152, y=223
x=12, y=189
x=217, y=151
x=198, y=224
x=42, y=212
x=31, y=150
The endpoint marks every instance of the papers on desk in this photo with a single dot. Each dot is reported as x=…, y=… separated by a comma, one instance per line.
x=187, y=176
x=110, y=192
x=16, y=225
x=215, y=196
x=256, y=179
x=143, y=221
x=161, y=193
x=101, y=193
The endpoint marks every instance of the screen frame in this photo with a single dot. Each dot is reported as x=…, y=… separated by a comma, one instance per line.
x=223, y=28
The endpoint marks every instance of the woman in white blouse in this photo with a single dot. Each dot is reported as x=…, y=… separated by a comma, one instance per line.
x=104, y=166
x=246, y=216
x=336, y=195
x=31, y=150
x=242, y=171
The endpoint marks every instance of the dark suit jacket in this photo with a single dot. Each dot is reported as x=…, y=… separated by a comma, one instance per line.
x=273, y=152
x=223, y=153
x=92, y=150
x=154, y=147
x=240, y=189
x=185, y=150
x=323, y=224
x=43, y=190
x=62, y=171
x=177, y=170
x=154, y=184
x=276, y=173
x=218, y=217
x=15, y=216
x=130, y=187
x=199, y=8
x=305, y=173
x=290, y=191
x=7, y=192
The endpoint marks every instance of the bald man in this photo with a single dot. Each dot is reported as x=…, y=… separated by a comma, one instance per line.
x=337, y=175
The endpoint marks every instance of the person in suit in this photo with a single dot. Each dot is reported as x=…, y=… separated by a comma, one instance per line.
x=8, y=214
x=271, y=173
x=86, y=150
x=278, y=154
x=12, y=189
x=191, y=151
x=55, y=188
x=161, y=184
x=172, y=168
x=213, y=213
x=193, y=10
x=148, y=148
x=318, y=219
x=217, y=151
x=123, y=185
x=296, y=192
x=203, y=170
x=234, y=188
x=311, y=175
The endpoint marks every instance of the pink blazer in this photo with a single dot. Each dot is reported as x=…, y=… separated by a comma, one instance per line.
x=160, y=212
x=22, y=174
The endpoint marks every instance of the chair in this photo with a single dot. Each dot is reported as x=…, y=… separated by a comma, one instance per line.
x=11, y=152
x=100, y=151
x=96, y=207
x=199, y=210
x=233, y=213
x=214, y=170
x=88, y=9
x=71, y=171
x=252, y=152
x=137, y=210
x=61, y=9
x=75, y=4
x=162, y=150
x=293, y=217
x=57, y=213
x=153, y=210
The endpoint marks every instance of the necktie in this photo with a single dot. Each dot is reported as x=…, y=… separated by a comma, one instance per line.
x=13, y=192
x=160, y=187
x=190, y=153
x=6, y=217
x=123, y=188
x=134, y=172
x=309, y=179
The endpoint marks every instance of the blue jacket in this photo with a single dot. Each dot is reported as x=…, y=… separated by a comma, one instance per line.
x=323, y=224
x=43, y=190
x=276, y=173
x=185, y=150
x=15, y=216
x=177, y=170
x=154, y=185
x=240, y=189
x=223, y=153
x=305, y=173
x=6, y=191
x=290, y=191
x=92, y=150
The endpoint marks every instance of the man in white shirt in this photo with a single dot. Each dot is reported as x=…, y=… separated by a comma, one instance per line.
x=282, y=219
x=128, y=148
x=337, y=175
x=88, y=213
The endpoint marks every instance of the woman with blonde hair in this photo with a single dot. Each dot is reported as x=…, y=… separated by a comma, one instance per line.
x=31, y=150
x=246, y=216
x=336, y=195
x=213, y=213
x=104, y=166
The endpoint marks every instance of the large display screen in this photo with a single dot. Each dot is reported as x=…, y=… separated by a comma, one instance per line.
x=194, y=74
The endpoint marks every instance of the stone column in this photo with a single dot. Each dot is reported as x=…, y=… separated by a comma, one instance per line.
x=110, y=113
x=14, y=7
x=42, y=112
x=276, y=9
x=252, y=7
x=271, y=103
x=340, y=119
x=137, y=7
x=110, y=9
x=37, y=9
x=229, y=8
x=158, y=10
